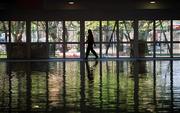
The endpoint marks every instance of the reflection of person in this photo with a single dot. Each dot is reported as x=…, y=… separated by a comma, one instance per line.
x=90, y=70
x=90, y=41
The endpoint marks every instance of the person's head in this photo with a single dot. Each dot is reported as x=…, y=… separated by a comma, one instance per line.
x=89, y=31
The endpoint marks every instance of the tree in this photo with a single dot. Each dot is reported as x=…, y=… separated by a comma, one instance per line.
x=17, y=30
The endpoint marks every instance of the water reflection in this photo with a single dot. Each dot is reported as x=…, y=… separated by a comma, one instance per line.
x=92, y=86
x=90, y=70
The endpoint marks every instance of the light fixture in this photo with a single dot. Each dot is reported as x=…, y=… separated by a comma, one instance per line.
x=152, y=2
x=71, y=2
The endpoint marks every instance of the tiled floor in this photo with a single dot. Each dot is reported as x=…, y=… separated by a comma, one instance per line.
x=90, y=86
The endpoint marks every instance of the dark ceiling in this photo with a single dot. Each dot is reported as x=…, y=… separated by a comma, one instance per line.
x=87, y=4
x=89, y=9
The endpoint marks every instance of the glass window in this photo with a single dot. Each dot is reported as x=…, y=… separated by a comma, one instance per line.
x=109, y=31
x=162, y=30
x=55, y=51
x=72, y=31
x=72, y=51
x=125, y=50
x=126, y=31
x=109, y=49
x=96, y=49
x=55, y=31
x=18, y=31
x=148, y=52
x=163, y=50
x=94, y=26
x=38, y=31
x=176, y=30
x=4, y=31
x=176, y=49
x=145, y=30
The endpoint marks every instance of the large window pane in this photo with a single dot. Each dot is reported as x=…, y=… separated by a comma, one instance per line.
x=94, y=26
x=176, y=30
x=176, y=49
x=149, y=50
x=38, y=31
x=55, y=31
x=73, y=51
x=4, y=31
x=145, y=30
x=55, y=51
x=72, y=31
x=162, y=30
x=18, y=31
x=126, y=31
x=163, y=50
x=96, y=49
x=109, y=31
x=109, y=49
x=124, y=50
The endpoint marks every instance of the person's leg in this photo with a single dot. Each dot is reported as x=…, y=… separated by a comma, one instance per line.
x=94, y=52
x=87, y=52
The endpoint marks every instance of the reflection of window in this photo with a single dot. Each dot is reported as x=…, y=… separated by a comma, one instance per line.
x=38, y=88
x=18, y=31
x=38, y=31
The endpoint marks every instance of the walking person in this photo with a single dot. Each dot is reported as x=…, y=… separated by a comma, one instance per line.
x=90, y=42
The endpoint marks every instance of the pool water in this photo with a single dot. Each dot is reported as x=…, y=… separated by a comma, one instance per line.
x=90, y=86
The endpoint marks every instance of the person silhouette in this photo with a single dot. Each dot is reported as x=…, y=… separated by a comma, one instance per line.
x=90, y=42
x=90, y=70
